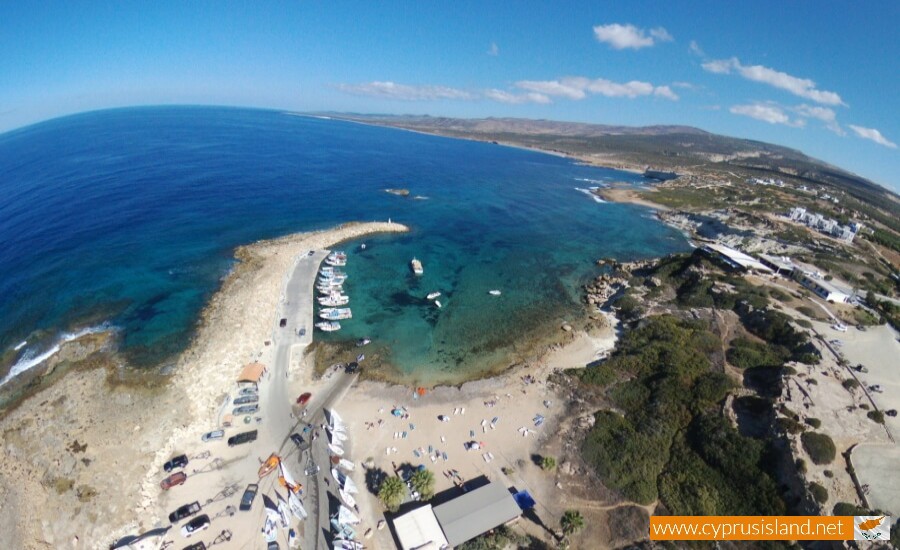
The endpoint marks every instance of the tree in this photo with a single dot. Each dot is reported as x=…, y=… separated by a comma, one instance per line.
x=571, y=522
x=391, y=493
x=423, y=482
x=548, y=463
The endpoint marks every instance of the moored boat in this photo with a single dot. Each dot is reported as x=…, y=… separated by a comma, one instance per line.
x=433, y=295
x=335, y=314
x=494, y=292
x=416, y=266
x=328, y=326
x=334, y=299
x=438, y=304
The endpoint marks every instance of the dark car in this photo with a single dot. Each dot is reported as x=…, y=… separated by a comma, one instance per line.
x=245, y=409
x=199, y=523
x=272, y=546
x=298, y=441
x=282, y=323
x=302, y=331
x=176, y=462
x=185, y=511
x=195, y=546
x=352, y=367
x=245, y=437
x=248, y=496
x=304, y=398
x=175, y=479
x=245, y=399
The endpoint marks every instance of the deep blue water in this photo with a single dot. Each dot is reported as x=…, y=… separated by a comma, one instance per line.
x=131, y=216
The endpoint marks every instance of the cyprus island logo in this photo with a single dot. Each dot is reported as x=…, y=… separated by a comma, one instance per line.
x=871, y=527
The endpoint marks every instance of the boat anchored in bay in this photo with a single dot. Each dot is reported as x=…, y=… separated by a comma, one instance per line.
x=416, y=266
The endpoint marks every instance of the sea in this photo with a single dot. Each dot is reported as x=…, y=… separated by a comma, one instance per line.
x=127, y=220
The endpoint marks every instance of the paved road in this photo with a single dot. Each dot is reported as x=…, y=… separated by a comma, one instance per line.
x=278, y=405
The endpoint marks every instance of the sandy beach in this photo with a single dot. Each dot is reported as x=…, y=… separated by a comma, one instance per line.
x=631, y=196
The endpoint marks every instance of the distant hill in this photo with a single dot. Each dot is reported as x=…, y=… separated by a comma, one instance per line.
x=680, y=148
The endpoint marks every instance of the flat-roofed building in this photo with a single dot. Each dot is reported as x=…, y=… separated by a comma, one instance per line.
x=735, y=258
x=477, y=512
x=419, y=530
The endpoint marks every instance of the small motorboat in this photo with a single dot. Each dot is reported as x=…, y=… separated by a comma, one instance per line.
x=360, y=357
x=494, y=292
x=438, y=304
x=433, y=295
x=363, y=342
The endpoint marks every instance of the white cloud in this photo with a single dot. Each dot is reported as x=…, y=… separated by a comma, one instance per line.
x=666, y=92
x=695, y=49
x=404, y=92
x=872, y=134
x=516, y=99
x=802, y=87
x=824, y=114
x=621, y=37
x=494, y=49
x=661, y=34
x=553, y=88
x=578, y=87
x=766, y=112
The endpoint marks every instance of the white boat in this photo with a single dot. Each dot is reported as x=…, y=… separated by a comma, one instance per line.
x=416, y=266
x=337, y=262
x=337, y=278
x=433, y=295
x=438, y=304
x=362, y=246
x=329, y=290
x=363, y=342
x=494, y=292
x=334, y=299
x=347, y=498
x=336, y=314
x=328, y=326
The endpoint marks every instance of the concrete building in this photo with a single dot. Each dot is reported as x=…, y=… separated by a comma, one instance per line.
x=825, y=225
x=419, y=530
x=824, y=289
x=477, y=512
x=735, y=258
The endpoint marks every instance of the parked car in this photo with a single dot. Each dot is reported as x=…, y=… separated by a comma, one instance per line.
x=245, y=409
x=245, y=399
x=175, y=479
x=302, y=331
x=840, y=327
x=249, y=495
x=199, y=523
x=311, y=252
x=298, y=440
x=185, y=511
x=176, y=462
x=892, y=412
x=213, y=435
x=196, y=546
x=240, y=438
x=272, y=546
x=249, y=390
x=282, y=323
x=304, y=398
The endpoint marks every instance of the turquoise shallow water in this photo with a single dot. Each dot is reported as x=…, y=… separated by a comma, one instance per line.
x=131, y=217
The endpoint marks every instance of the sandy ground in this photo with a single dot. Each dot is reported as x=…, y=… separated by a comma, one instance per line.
x=630, y=196
x=472, y=408
x=82, y=459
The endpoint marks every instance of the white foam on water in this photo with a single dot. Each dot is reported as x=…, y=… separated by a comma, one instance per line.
x=589, y=193
x=28, y=360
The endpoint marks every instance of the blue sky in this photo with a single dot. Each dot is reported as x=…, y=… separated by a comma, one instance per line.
x=818, y=76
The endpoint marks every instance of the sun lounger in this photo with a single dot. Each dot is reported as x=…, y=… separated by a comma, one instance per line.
x=404, y=435
x=471, y=433
x=416, y=452
x=444, y=455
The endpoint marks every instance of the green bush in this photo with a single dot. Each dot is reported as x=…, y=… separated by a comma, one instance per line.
x=849, y=509
x=801, y=466
x=876, y=416
x=391, y=493
x=819, y=447
x=819, y=493
x=548, y=463
x=500, y=538
x=423, y=482
x=804, y=323
x=744, y=354
x=850, y=383
x=814, y=422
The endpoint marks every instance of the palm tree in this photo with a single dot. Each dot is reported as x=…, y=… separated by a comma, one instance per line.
x=423, y=482
x=571, y=522
x=548, y=463
x=391, y=493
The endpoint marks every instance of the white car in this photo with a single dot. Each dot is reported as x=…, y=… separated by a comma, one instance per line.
x=213, y=435
x=840, y=327
x=199, y=523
